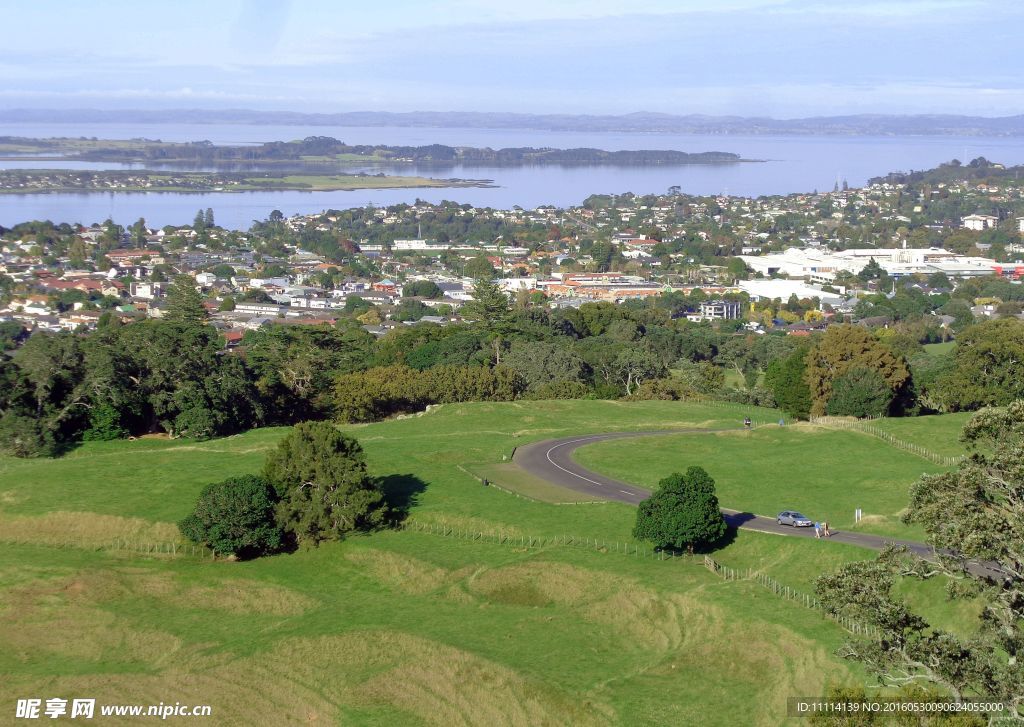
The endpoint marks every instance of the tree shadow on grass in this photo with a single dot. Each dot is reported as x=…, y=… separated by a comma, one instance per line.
x=62, y=448
x=401, y=492
x=732, y=523
x=731, y=532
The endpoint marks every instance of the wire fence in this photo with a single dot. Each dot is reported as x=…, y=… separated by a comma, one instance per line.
x=790, y=594
x=118, y=545
x=532, y=541
x=865, y=428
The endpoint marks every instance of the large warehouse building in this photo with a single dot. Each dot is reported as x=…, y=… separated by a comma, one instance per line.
x=821, y=266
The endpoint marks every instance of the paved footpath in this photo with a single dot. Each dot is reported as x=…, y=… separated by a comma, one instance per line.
x=552, y=460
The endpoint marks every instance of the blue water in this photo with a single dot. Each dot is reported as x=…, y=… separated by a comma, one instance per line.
x=793, y=164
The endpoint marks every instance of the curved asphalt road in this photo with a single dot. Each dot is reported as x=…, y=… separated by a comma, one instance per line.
x=552, y=460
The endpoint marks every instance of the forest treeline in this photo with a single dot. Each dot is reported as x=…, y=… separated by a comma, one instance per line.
x=174, y=375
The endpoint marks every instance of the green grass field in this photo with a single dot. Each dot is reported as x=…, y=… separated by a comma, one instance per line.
x=415, y=628
x=940, y=434
x=825, y=474
x=939, y=349
x=516, y=480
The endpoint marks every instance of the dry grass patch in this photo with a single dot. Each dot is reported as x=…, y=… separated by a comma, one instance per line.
x=241, y=694
x=63, y=616
x=641, y=617
x=644, y=618
x=308, y=680
x=542, y=583
x=82, y=632
x=772, y=661
x=84, y=530
x=95, y=588
x=401, y=572
x=244, y=597
x=441, y=685
x=67, y=617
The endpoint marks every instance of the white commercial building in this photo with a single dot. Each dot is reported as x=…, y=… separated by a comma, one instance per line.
x=782, y=289
x=819, y=265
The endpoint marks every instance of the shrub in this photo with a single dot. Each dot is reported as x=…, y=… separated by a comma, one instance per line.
x=701, y=377
x=662, y=390
x=24, y=436
x=754, y=396
x=384, y=391
x=104, y=425
x=561, y=390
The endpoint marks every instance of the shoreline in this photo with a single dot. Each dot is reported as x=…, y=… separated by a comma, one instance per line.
x=298, y=163
x=236, y=183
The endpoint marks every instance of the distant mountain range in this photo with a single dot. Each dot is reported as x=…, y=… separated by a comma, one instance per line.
x=640, y=122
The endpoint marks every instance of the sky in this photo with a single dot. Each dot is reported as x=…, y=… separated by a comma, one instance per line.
x=778, y=58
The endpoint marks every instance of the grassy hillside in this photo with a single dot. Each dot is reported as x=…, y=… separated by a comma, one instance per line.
x=940, y=434
x=407, y=627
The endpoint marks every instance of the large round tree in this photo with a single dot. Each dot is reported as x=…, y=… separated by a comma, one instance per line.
x=320, y=476
x=235, y=517
x=682, y=513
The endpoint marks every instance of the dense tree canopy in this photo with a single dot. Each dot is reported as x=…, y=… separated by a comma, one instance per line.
x=421, y=289
x=682, y=513
x=787, y=380
x=479, y=268
x=845, y=347
x=860, y=392
x=987, y=367
x=235, y=517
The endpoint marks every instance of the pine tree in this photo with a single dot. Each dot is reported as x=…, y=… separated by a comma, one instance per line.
x=184, y=302
x=320, y=476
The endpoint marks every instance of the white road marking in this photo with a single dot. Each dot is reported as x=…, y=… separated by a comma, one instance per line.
x=574, y=441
